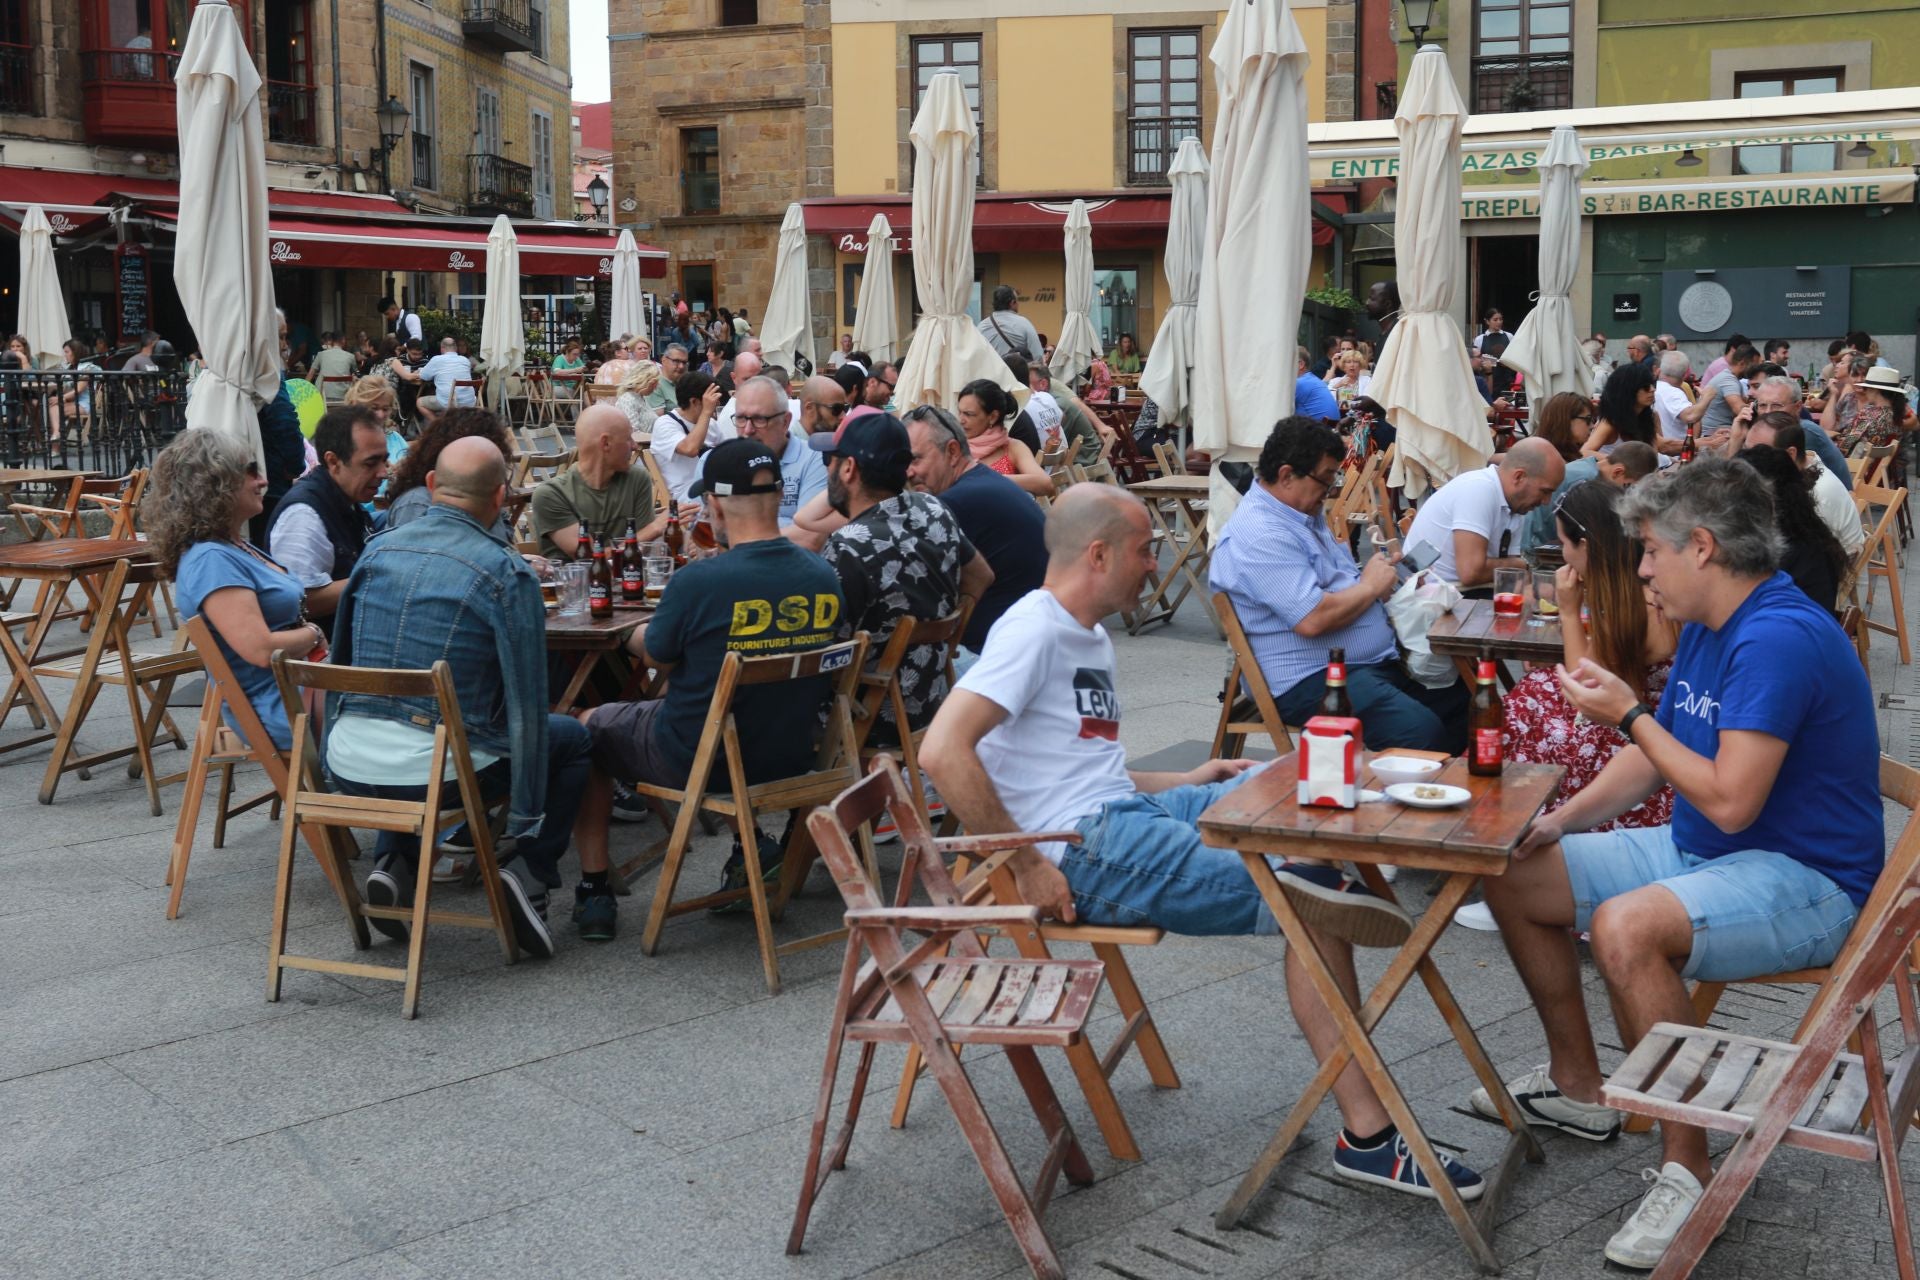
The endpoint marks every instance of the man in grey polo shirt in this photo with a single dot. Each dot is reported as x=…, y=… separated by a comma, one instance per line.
x=1298, y=593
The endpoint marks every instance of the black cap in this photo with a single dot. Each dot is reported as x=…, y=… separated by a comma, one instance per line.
x=728, y=469
x=872, y=440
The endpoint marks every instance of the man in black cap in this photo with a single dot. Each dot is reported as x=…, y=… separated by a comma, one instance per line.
x=900, y=554
x=763, y=596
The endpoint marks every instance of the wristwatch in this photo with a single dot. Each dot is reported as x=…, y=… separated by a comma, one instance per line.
x=1626, y=721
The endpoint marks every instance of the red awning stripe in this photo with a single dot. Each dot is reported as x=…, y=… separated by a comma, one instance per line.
x=1012, y=223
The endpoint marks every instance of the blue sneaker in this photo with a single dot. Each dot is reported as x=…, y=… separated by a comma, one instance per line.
x=1327, y=898
x=1391, y=1165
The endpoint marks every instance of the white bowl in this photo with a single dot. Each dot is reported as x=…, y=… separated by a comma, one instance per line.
x=1393, y=768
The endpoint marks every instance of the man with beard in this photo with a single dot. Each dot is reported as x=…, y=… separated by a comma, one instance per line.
x=900, y=555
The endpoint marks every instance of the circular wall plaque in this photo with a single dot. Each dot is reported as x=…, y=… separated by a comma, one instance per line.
x=1705, y=306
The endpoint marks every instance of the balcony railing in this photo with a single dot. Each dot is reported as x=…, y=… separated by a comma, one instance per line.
x=129, y=66
x=1151, y=142
x=291, y=113
x=496, y=184
x=108, y=422
x=127, y=94
x=1534, y=82
x=506, y=25
x=16, y=80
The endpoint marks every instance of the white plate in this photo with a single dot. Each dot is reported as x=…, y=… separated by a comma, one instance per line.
x=1404, y=793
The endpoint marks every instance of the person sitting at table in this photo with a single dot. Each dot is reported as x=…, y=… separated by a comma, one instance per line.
x=205, y=488
x=1830, y=499
x=1124, y=359
x=409, y=498
x=1777, y=834
x=1298, y=593
x=1473, y=520
x=1626, y=411
x=761, y=413
x=569, y=360
x=1029, y=740
x=763, y=596
x=685, y=432
x=1084, y=435
x=320, y=528
x=985, y=408
x=443, y=371
x=604, y=489
x=636, y=396
x=1629, y=462
x=1813, y=558
x=443, y=587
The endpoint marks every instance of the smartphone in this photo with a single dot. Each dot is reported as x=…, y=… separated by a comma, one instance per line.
x=1418, y=557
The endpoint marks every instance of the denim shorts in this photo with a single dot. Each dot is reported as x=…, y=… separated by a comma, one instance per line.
x=1754, y=912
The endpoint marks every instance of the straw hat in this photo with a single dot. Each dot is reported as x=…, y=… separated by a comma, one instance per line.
x=1885, y=378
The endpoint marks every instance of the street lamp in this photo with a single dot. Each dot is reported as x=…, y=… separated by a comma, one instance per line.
x=1419, y=17
x=598, y=192
x=393, y=116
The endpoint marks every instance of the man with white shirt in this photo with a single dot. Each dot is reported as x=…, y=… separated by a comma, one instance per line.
x=685, y=432
x=1473, y=520
x=1029, y=740
x=1830, y=498
x=841, y=352
x=1670, y=399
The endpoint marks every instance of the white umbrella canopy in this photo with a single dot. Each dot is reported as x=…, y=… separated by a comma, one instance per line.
x=786, y=325
x=947, y=351
x=503, y=334
x=1168, y=378
x=1424, y=380
x=628, y=314
x=1259, y=243
x=1079, y=345
x=43, y=309
x=876, y=321
x=220, y=266
x=1546, y=346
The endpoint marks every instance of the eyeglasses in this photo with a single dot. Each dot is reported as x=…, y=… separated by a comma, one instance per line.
x=755, y=421
x=1560, y=512
x=891, y=385
x=836, y=409
x=253, y=471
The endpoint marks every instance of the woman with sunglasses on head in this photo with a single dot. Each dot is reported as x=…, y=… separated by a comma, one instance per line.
x=985, y=408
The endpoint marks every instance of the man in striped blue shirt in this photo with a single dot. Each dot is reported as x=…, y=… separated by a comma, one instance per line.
x=1299, y=593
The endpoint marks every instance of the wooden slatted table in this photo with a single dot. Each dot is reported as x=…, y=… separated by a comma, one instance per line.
x=1472, y=627
x=1476, y=839
x=589, y=642
x=1186, y=533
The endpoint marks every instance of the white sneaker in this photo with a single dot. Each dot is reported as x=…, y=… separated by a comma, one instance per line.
x=1542, y=1103
x=451, y=868
x=1477, y=916
x=1658, y=1220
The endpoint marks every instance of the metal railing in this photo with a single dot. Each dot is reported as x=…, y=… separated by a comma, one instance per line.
x=16, y=80
x=292, y=114
x=1531, y=82
x=107, y=422
x=496, y=184
x=1151, y=142
x=506, y=24
x=128, y=66
x=1386, y=96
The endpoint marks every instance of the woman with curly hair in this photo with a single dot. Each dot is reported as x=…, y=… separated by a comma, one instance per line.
x=1626, y=411
x=205, y=488
x=407, y=493
x=643, y=377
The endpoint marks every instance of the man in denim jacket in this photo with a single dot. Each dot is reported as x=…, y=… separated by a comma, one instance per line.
x=442, y=587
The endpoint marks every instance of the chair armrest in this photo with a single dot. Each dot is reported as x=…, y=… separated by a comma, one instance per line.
x=24, y=509
x=105, y=503
x=942, y=919
x=1006, y=840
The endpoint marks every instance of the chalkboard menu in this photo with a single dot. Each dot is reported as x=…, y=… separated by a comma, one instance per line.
x=131, y=280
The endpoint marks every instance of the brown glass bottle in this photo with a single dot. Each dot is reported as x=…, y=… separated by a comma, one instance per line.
x=676, y=536
x=1687, y=446
x=600, y=584
x=1486, y=725
x=633, y=572
x=583, y=549
x=1335, y=702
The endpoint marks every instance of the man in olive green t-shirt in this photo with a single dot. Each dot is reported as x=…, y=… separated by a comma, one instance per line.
x=605, y=487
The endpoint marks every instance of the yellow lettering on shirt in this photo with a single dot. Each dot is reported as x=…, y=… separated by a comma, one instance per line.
x=793, y=613
x=750, y=617
x=826, y=611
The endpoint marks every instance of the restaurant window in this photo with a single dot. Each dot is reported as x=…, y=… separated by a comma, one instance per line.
x=1522, y=55
x=537, y=22
x=118, y=33
x=16, y=60
x=1163, y=99
x=739, y=13
x=962, y=53
x=291, y=103
x=542, y=165
x=700, y=170
x=420, y=88
x=1793, y=157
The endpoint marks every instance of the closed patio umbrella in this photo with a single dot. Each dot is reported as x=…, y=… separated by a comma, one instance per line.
x=876, y=320
x=503, y=334
x=947, y=351
x=786, y=326
x=1546, y=346
x=43, y=309
x=1079, y=346
x=628, y=314
x=1424, y=380
x=1168, y=378
x=1259, y=239
x=220, y=266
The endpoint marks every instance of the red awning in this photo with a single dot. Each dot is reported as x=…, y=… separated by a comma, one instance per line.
x=74, y=202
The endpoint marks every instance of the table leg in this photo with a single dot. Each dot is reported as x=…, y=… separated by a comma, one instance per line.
x=569, y=700
x=23, y=679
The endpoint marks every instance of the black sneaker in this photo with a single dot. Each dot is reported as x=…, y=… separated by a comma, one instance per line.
x=735, y=875
x=389, y=885
x=529, y=916
x=596, y=912
x=629, y=806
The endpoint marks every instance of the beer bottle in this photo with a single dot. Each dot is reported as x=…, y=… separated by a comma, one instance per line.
x=1486, y=724
x=676, y=536
x=633, y=574
x=1335, y=701
x=1687, y=445
x=583, y=549
x=600, y=584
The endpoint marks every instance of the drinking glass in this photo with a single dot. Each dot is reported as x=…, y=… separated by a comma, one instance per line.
x=573, y=589
x=659, y=569
x=1546, y=598
x=1509, y=592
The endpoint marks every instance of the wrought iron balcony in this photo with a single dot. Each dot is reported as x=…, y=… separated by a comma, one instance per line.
x=1151, y=142
x=506, y=25
x=1533, y=82
x=496, y=184
x=16, y=80
x=291, y=113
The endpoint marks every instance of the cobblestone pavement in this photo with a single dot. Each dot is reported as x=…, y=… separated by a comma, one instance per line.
x=611, y=1114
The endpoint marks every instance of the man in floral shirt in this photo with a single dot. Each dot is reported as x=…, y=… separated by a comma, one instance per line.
x=900, y=554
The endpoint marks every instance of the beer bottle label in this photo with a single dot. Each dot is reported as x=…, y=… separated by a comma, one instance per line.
x=1336, y=673
x=1487, y=746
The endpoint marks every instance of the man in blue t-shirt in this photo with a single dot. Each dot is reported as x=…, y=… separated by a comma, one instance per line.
x=1766, y=734
x=1311, y=398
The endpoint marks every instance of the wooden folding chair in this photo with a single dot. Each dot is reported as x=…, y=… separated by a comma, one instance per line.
x=538, y=401
x=1869, y=468
x=306, y=803
x=68, y=520
x=737, y=798
x=334, y=388
x=543, y=439
x=1878, y=557
x=1246, y=703
x=880, y=687
x=476, y=385
x=1808, y=1093
x=536, y=468
x=599, y=391
x=939, y=994
x=111, y=659
x=566, y=398
x=123, y=511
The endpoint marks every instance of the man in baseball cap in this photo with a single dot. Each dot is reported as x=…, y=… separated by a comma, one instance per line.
x=732, y=470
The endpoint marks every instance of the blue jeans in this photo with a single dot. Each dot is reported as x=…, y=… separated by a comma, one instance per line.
x=1140, y=861
x=568, y=762
x=1395, y=710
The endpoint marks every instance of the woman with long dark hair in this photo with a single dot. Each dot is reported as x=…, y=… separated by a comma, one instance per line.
x=985, y=408
x=1814, y=558
x=1565, y=421
x=1626, y=410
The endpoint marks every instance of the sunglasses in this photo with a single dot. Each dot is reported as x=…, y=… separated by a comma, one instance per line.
x=253, y=471
x=837, y=410
x=1560, y=512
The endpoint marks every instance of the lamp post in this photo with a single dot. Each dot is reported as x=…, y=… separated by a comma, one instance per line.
x=393, y=116
x=598, y=193
x=1419, y=15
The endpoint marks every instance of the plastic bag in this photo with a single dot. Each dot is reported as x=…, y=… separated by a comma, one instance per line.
x=1415, y=607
